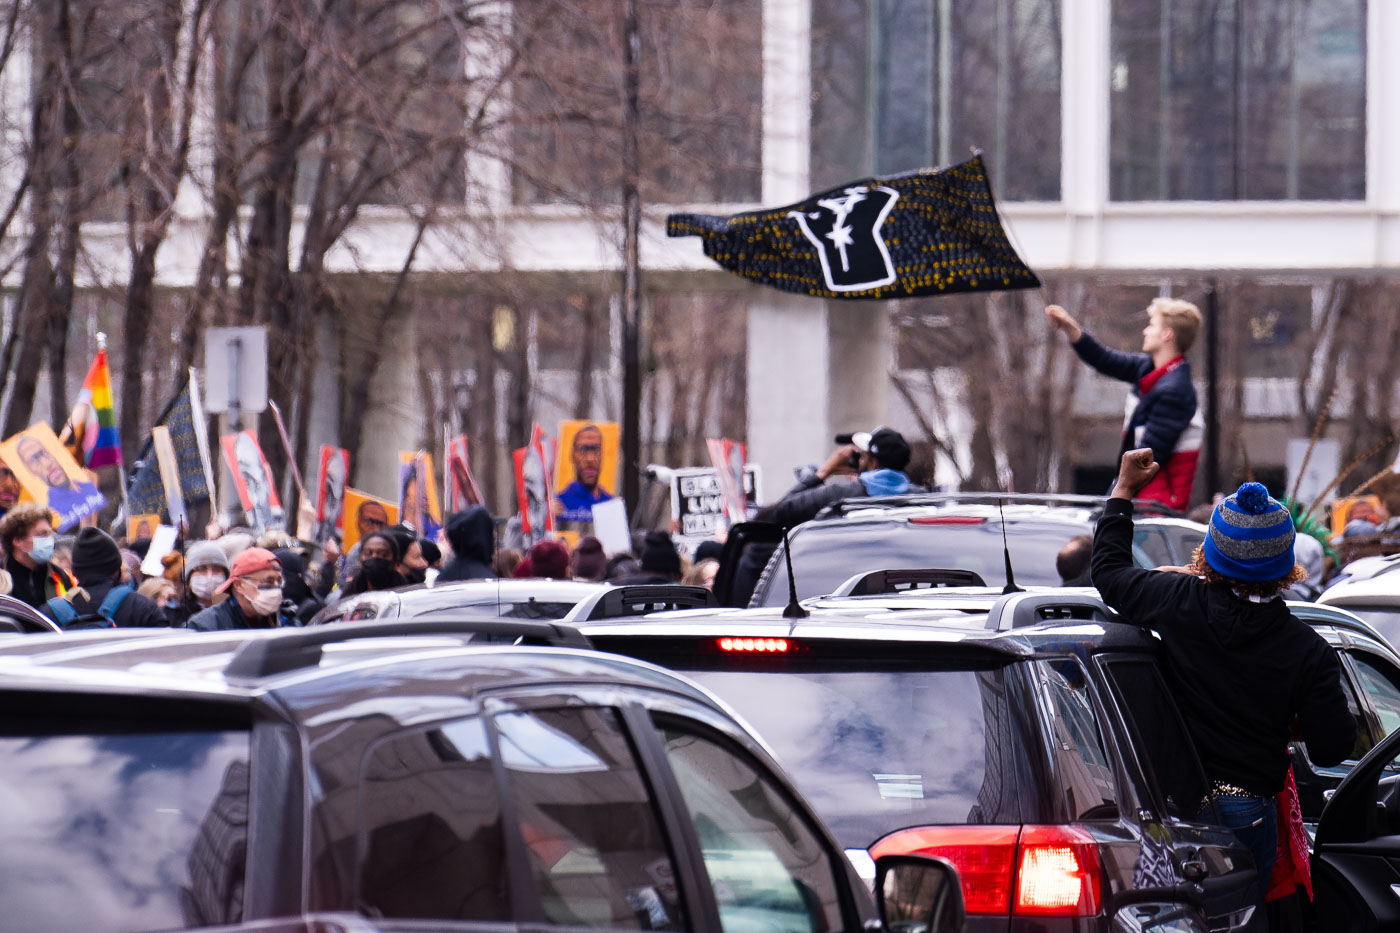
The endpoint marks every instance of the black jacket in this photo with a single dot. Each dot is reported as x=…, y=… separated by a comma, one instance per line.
x=1163, y=412
x=226, y=615
x=803, y=501
x=1240, y=670
x=136, y=611
x=472, y=534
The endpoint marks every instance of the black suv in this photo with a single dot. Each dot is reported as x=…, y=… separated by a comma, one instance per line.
x=1028, y=738
x=159, y=779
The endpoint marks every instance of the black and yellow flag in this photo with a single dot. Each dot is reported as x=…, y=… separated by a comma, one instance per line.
x=919, y=233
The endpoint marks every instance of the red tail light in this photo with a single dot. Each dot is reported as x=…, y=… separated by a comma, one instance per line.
x=769, y=645
x=1058, y=872
x=1012, y=870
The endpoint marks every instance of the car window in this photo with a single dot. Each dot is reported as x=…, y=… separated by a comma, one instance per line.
x=112, y=825
x=1154, y=544
x=594, y=840
x=525, y=609
x=1379, y=681
x=1385, y=620
x=825, y=556
x=1164, y=747
x=1083, y=765
x=430, y=825
x=768, y=868
x=877, y=745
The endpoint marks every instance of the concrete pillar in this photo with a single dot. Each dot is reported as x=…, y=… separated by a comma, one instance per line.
x=815, y=368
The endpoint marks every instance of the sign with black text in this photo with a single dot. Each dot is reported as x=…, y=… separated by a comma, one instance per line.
x=697, y=502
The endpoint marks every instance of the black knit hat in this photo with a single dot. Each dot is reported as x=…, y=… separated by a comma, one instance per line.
x=95, y=555
x=659, y=554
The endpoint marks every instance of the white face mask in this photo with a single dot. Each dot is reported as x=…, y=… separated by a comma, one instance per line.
x=203, y=586
x=266, y=602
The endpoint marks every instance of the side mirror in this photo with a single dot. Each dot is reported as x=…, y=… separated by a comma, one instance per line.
x=918, y=894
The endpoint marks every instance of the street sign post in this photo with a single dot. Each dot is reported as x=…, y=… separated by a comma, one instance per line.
x=235, y=371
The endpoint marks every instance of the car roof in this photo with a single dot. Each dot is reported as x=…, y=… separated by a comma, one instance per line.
x=1382, y=589
x=420, y=598
x=181, y=662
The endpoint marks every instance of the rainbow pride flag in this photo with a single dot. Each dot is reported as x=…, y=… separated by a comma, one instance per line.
x=94, y=422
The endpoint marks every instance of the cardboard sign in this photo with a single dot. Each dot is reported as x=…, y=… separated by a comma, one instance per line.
x=365, y=513
x=169, y=475
x=697, y=502
x=586, y=471
x=331, y=475
x=51, y=476
x=462, y=491
x=141, y=526
x=418, y=497
x=610, y=526
x=532, y=486
x=252, y=477
x=162, y=543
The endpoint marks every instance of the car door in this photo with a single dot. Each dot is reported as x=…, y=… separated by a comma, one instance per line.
x=1356, y=855
x=1180, y=806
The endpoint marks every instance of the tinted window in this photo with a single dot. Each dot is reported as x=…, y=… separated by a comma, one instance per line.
x=1378, y=681
x=877, y=745
x=527, y=609
x=431, y=824
x=1085, y=774
x=825, y=556
x=1159, y=735
x=594, y=841
x=769, y=870
x=122, y=829
x=1154, y=544
x=1385, y=621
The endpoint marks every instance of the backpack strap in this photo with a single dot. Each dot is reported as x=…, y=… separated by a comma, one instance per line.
x=113, y=601
x=61, y=610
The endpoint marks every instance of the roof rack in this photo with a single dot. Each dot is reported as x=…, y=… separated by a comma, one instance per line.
x=903, y=581
x=1093, y=503
x=1022, y=609
x=620, y=602
x=301, y=648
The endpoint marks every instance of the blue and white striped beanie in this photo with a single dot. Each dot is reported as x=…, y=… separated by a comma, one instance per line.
x=1251, y=536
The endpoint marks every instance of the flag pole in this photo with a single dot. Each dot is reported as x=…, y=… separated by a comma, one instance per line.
x=287, y=446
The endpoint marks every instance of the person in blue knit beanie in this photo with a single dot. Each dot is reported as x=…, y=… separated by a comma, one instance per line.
x=1247, y=675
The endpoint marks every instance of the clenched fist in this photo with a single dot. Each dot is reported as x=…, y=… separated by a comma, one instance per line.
x=1134, y=472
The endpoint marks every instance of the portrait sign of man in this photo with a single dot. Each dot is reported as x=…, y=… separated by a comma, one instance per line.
x=591, y=468
x=253, y=479
x=334, y=467
x=51, y=475
x=364, y=514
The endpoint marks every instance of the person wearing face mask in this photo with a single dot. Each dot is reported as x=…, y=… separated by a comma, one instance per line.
x=380, y=558
x=294, y=586
x=255, y=595
x=26, y=533
x=100, y=597
x=206, y=568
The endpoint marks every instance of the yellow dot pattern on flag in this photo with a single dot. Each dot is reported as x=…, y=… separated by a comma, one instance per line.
x=919, y=233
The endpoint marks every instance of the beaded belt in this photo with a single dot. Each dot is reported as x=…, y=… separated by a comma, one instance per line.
x=1225, y=789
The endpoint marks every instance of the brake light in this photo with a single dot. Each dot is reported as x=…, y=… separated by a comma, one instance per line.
x=947, y=520
x=985, y=857
x=1029, y=871
x=769, y=645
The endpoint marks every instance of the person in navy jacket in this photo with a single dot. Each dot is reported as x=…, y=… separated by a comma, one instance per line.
x=1161, y=409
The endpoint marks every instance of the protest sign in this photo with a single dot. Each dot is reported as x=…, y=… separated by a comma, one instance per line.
x=51, y=476
x=462, y=491
x=169, y=475
x=728, y=457
x=252, y=477
x=532, y=487
x=330, y=490
x=610, y=526
x=697, y=502
x=364, y=514
x=418, y=496
x=162, y=543
x=141, y=526
x=588, y=473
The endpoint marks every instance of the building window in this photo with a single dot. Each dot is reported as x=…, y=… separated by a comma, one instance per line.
x=1238, y=101
x=899, y=85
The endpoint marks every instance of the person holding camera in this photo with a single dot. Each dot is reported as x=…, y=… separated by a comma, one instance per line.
x=867, y=463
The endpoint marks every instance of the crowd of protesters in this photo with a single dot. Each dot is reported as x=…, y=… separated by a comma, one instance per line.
x=239, y=579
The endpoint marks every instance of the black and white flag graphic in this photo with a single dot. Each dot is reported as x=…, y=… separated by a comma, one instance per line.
x=919, y=233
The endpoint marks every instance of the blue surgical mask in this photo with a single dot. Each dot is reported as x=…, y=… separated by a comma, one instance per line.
x=42, y=549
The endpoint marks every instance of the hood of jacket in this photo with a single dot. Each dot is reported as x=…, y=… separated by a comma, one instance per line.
x=472, y=534
x=1238, y=621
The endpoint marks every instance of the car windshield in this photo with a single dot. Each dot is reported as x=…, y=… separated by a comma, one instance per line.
x=121, y=830
x=825, y=556
x=1384, y=619
x=876, y=745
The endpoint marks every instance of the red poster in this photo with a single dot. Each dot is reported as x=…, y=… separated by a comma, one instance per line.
x=462, y=491
x=532, y=485
x=252, y=477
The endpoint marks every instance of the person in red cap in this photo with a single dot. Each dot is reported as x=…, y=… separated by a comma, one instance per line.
x=254, y=588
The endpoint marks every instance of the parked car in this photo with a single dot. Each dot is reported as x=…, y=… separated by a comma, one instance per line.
x=1372, y=596
x=159, y=779
x=1028, y=738
x=18, y=616
x=512, y=599
x=966, y=531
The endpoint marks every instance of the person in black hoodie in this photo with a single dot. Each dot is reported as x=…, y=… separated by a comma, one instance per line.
x=1246, y=674
x=472, y=536
x=97, y=565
